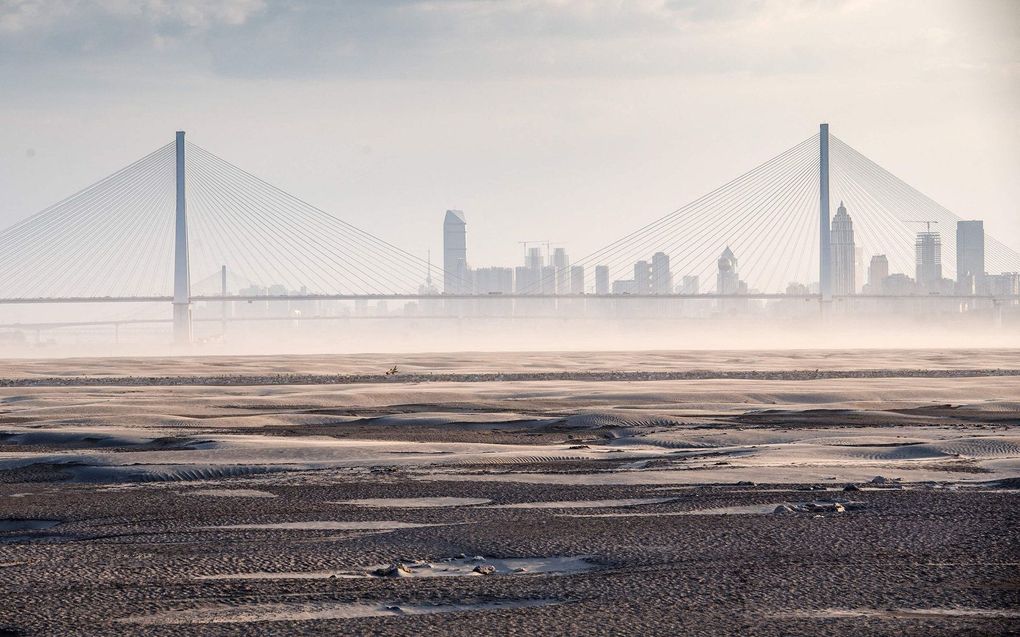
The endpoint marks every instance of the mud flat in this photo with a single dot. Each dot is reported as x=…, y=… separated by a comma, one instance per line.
x=754, y=496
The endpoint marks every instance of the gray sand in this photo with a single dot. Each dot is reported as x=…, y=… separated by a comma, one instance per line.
x=542, y=507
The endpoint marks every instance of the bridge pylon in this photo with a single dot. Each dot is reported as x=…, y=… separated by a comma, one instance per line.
x=182, y=274
x=824, y=250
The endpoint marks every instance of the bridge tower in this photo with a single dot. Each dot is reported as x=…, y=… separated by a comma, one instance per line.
x=182, y=274
x=824, y=250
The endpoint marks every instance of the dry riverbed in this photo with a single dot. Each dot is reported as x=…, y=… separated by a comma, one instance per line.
x=778, y=499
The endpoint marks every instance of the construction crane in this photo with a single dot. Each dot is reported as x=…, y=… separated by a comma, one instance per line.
x=540, y=242
x=927, y=223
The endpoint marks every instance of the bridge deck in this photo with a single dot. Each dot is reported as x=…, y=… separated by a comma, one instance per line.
x=489, y=297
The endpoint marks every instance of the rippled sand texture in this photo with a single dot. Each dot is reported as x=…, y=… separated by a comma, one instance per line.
x=508, y=362
x=772, y=504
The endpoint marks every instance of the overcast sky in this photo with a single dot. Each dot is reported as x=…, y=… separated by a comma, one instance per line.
x=572, y=121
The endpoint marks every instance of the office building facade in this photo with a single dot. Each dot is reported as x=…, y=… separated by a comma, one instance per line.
x=928, y=266
x=602, y=279
x=455, y=267
x=878, y=271
x=970, y=254
x=662, y=278
x=841, y=242
x=727, y=280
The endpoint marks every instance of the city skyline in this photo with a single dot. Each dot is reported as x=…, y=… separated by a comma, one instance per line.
x=551, y=273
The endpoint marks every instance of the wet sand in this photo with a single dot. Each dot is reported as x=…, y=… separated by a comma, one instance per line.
x=767, y=505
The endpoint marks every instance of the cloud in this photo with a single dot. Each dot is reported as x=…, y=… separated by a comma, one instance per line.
x=478, y=39
x=36, y=16
x=402, y=37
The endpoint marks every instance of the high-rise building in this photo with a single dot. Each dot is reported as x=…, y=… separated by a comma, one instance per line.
x=561, y=262
x=860, y=269
x=577, y=279
x=878, y=270
x=690, y=284
x=493, y=280
x=602, y=279
x=529, y=278
x=841, y=242
x=970, y=253
x=548, y=279
x=642, y=278
x=523, y=281
x=534, y=260
x=727, y=281
x=662, y=278
x=1005, y=284
x=928, y=252
x=455, y=252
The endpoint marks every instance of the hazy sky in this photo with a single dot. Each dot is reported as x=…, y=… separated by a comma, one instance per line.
x=572, y=121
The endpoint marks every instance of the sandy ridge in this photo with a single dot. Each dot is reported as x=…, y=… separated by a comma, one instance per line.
x=410, y=378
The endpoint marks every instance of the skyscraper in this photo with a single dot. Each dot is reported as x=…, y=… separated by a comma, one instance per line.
x=534, y=260
x=602, y=279
x=928, y=253
x=727, y=281
x=577, y=279
x=662, y=278
x=561, y=262
x=642, y=278
x=841, y=241
x=455, y=252
x=529, y=277
x=878, y=270
x=970, y=252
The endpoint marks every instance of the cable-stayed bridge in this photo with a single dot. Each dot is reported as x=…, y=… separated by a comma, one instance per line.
x=181, y=225
x=774, y=218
